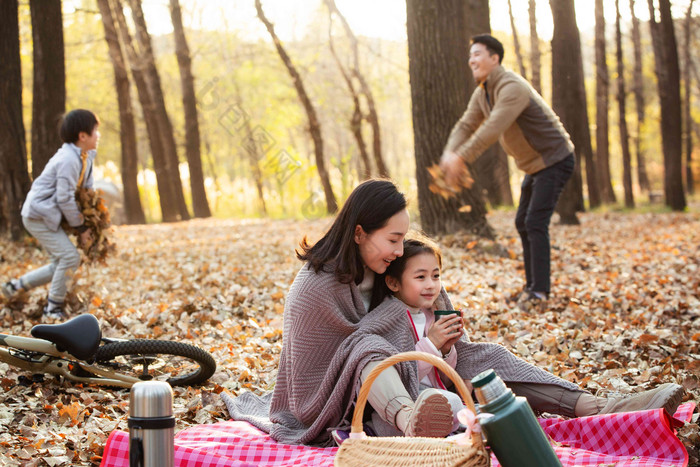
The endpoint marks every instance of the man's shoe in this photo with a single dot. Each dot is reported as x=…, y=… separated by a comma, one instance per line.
x=431, y=416
x=667, y=396
x=533, y=302
x=519, y=296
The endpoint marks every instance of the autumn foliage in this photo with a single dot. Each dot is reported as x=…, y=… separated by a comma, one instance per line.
x=624, y=314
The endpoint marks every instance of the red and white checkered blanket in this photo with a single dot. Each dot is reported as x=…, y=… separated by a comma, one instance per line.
x=639, y=439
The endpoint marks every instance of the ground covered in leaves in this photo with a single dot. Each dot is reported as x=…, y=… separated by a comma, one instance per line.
x=625, y=313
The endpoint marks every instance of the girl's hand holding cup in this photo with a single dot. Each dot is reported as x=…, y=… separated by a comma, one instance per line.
x=446, y=330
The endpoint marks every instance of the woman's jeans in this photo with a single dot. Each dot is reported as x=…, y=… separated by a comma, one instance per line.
x=538, y=198
x=64, y=260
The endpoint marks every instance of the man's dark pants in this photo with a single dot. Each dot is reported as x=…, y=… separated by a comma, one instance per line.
x=538, y=198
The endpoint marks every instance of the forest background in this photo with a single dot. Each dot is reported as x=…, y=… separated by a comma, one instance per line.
x=256, y=156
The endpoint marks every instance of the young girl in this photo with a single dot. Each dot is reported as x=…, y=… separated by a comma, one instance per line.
x=51, y=198
x=414, y=278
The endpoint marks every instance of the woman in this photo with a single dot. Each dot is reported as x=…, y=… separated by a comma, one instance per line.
x=337, y=328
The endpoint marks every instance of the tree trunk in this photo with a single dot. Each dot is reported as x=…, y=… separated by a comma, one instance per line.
x=132, y=201
x=372, y=117
x=534, y=47
x=492, y=175
x=252, y=150
x=165, y=127
x=438, y=72
x=314, y=123
x=688, y=118
x=516, y=42
x=668, y=73
x=639, y=101
x=49, y=87
x=200, y=205
x=166, y=190
x=569, y=102
x=251, y=147
x=621, y=96
x=602, y=108
x=356, y=119
x=14, y=176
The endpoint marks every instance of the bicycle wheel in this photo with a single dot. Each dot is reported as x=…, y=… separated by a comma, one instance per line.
x=177, y=363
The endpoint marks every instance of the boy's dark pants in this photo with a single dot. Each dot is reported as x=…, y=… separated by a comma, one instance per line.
x=538, y=197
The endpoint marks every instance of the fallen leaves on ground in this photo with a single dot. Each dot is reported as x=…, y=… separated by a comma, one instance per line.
x=624, y=314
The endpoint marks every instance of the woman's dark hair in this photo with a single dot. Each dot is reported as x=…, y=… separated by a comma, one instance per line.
x=370, y=205
x=492, y=44
x=414, y=244
x=75, y=122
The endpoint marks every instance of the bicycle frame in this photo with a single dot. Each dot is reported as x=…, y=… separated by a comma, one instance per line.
x=50, y=360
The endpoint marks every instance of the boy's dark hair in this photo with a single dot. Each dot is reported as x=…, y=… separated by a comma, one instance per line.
x=75, y=122
x=370, y=205
x=492, y=44
x=414, y=244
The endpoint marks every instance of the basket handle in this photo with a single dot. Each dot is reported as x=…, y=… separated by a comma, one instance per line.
x=408, y=356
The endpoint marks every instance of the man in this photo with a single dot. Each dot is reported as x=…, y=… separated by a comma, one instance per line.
x=505, y=106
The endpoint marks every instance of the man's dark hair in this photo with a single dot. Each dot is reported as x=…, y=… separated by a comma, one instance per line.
x=492, y=44
x=75, y=122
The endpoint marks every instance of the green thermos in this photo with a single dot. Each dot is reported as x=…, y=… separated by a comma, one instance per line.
x=511, y=428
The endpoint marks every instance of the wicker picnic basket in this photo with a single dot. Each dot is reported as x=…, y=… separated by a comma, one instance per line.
x=410, y=451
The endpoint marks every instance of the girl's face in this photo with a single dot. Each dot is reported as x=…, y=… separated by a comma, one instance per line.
x=420, y=284
x=381, y=247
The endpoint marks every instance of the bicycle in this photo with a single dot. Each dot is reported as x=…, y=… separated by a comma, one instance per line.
x=76, y=351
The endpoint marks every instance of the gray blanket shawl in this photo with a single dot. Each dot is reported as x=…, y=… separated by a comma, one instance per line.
x=328, y=339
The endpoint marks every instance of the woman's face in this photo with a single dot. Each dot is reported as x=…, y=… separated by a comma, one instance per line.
x=384, y=245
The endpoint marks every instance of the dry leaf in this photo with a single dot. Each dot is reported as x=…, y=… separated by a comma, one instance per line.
x=439, y=185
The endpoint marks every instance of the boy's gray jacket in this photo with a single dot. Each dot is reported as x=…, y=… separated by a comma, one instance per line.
x=52, y=195
x=329, y=337
x=506, y=108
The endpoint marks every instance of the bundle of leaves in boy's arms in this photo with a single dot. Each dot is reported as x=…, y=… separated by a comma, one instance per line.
x=97, y=220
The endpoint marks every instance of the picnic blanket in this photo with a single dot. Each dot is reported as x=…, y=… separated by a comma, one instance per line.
x=634, y=439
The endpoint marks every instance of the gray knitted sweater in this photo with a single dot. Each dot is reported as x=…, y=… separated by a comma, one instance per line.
x=328, y=339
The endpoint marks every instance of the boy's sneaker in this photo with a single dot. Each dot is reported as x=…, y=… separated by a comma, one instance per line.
x=9, y=289
x=54, y=312
x=431, y=417
x=668, y=396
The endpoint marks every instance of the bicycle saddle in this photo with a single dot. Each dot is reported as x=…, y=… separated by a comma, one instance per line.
x=79, y=336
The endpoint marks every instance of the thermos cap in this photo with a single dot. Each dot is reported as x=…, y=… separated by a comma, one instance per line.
x=483, y=378
x=151, y=399
x=488, y=387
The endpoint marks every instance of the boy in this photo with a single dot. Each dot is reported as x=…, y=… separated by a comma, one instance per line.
x=51, y=198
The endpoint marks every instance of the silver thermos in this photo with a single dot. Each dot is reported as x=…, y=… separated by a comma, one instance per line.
x=151, y=425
